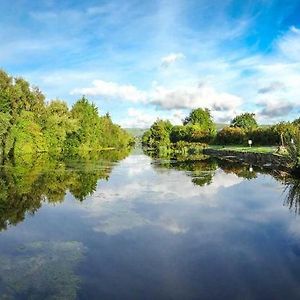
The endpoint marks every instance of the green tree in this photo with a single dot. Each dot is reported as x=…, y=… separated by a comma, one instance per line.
x=245, y=121
x=28, y=125
x=200, y=117
x=26, y=136
x=284, y=131
x=160, y=133
x=58, y=123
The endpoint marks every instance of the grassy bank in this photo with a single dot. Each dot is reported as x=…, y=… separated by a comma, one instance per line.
x=238, y=148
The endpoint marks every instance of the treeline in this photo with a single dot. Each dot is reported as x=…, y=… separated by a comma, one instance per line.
x=29, y=125
x=199, y=127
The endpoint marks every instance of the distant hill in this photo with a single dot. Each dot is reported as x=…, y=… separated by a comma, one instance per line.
x=136, y=132
x=221, y=125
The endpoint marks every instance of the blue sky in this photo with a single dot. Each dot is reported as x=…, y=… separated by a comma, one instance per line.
x=141, y=60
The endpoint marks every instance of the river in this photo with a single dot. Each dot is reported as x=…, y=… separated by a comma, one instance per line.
x=147, y=228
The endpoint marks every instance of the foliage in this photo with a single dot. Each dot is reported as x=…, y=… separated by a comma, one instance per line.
x=158, y=135
x=198, y=128
x=283, y=130
x=264, y=136
x=261, y=136
x=58, y=123
x=293, y=149
x=179, y=133
x=28, y=125
x=231, y=136
x=245, y=121
x=202, y=120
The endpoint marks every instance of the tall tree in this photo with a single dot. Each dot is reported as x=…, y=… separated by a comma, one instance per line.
x=202, y=119
x=245, y=121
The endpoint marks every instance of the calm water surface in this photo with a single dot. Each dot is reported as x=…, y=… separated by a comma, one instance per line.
x=145, y=228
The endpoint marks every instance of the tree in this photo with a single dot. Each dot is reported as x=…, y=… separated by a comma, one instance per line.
x=284, y=130
x=158, y=134
x=29, y=125
x=58, y=123
x=146, y=138
x=200, y=117
x=245, y=121
x=16, y=97
x=200, y=126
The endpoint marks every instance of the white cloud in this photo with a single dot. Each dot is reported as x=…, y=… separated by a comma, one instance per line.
x=138, y=118
x=182, y=97
x=171, y=103
x=143, y=118
x=273, y=108
x=113, y=90
x=166, y=61
x=289, y=44
x=190, y=97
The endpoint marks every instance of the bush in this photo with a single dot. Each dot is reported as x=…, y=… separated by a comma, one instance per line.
x=191, y=133
x=199, y=135
x=231, y=136
x=178, y=133
x=265, y=136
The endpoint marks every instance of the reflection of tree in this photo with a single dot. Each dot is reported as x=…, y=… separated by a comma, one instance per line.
x=237, y=168
x=41, y=270
x=292, y=189
x=200, y=167
x=24, y=186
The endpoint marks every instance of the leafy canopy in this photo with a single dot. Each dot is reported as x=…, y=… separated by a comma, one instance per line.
x=29, y=125
x=202, y=119
x=245, y=121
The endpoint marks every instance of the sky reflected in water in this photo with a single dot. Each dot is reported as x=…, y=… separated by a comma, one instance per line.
x=146, y=228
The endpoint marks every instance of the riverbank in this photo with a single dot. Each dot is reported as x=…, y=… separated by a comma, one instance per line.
x=263, y=158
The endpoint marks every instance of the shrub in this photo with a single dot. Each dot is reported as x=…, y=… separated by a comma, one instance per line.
x=264, y=136
x=196, y=134
x=231, y=136
x=178, y=133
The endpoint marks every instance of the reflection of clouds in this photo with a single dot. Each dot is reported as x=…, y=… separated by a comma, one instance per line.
x=171, y=226
x=137, y=164
x=117, y=205
x=115, y=217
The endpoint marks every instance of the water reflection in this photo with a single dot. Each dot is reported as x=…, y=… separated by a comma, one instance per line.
x=292, y=191
x=203, y=168
x=25, y=185
x=153, y=228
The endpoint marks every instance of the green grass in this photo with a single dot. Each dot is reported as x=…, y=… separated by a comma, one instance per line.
x=238, y=148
